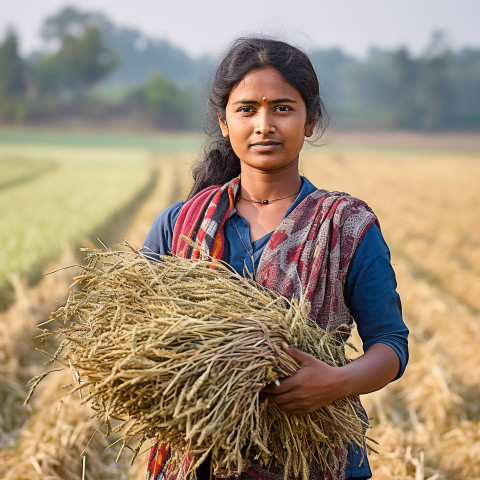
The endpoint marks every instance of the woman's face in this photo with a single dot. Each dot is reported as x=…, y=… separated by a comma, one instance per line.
x=265, y=121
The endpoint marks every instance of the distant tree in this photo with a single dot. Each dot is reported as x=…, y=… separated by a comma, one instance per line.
x=366, y=87
x=67, y=22
x=49, y=75
x=465, y=83
x=85, y=59
x=330, y=66
x=167, y=105
x=404, y=89
x=13, y=104
x=80, y=56
x=12, y=68
x=436, y=88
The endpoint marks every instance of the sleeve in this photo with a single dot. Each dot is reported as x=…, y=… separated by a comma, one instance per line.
x=159, y=238
x=370, y=294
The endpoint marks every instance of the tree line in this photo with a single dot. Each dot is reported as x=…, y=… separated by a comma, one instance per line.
x=76, y=78
x=439, y=89
x=91, y=70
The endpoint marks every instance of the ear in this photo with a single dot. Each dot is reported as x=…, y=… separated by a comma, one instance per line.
x=309, y=128
x=223, y=125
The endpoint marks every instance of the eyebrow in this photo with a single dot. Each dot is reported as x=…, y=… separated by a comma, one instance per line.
x=255, y=102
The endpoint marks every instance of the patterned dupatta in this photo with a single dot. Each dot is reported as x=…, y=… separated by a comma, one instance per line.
x=308, y=253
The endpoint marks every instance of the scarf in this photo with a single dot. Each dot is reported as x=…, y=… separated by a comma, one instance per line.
x=309, y=253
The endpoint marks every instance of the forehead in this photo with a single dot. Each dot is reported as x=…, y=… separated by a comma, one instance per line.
x=267, y=82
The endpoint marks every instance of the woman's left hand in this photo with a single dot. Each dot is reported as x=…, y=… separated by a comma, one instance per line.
x=315, y=385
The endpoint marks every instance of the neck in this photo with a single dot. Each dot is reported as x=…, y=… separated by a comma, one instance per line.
x=267, y=185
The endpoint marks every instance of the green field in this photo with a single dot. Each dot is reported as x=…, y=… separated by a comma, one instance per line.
x=16, y=170
x=53, y=198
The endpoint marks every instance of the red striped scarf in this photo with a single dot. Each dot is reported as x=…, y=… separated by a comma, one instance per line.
x=309, y=252
x=201, y=219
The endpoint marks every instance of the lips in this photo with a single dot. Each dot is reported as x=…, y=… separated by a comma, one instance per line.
x=266, y=145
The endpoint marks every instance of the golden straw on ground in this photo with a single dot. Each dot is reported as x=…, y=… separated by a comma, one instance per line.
x=178, y=350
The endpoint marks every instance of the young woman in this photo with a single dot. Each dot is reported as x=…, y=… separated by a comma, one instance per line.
x=250, y=206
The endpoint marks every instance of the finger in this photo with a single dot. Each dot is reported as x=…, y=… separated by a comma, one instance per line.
x=289, y=394
x=285, y=399
x=286, y=384
x=273, y=389
x=299, y=356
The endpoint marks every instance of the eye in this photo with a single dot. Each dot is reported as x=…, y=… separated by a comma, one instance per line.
x=283, y=108
x=246, y=109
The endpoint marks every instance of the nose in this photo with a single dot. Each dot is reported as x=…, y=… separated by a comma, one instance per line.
x=264, y=123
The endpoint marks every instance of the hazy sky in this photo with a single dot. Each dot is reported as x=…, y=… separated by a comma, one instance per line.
x=201, y=26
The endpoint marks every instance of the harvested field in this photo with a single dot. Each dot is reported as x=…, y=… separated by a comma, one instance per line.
x=427, y=423
x=427, y=205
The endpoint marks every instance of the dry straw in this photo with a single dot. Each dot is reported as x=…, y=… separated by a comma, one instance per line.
x=178, y=351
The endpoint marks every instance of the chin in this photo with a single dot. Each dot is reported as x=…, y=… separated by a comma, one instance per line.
x=268, y=165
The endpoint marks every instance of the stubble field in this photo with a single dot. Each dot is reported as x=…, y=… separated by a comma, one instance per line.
x=427, y=198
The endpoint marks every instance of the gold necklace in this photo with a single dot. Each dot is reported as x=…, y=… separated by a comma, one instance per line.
x=266, y=202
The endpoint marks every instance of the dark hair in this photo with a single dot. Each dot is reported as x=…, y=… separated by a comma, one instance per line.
x=219, y=163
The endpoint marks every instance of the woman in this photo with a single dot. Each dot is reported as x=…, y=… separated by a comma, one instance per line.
x=250, y=206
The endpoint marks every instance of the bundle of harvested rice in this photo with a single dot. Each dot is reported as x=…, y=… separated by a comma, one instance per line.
x=178, y=351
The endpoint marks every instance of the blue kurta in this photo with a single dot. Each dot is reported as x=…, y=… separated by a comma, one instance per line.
x=370, y=287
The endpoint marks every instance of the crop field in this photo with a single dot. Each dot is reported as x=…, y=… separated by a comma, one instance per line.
x=59, y=195
x=428, y=422
x=52, y=198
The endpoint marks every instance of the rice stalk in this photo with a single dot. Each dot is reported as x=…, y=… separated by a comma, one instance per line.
x=178, y=350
